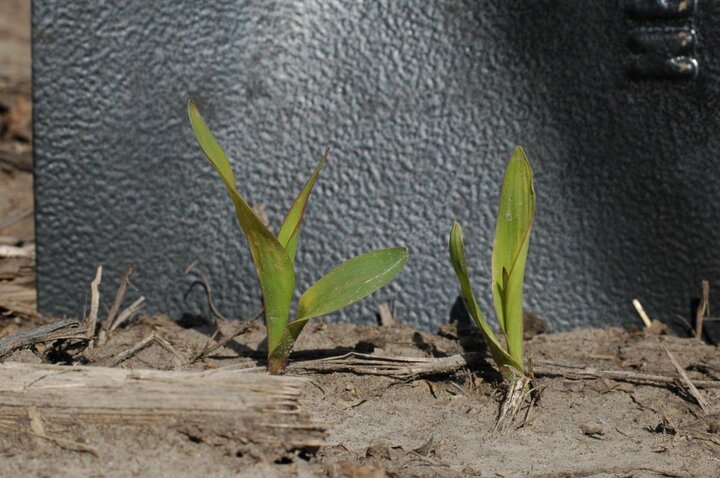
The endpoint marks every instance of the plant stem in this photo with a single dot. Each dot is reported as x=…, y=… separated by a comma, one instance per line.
x=277, y=364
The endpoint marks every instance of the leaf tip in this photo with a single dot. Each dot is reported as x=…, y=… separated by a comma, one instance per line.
x=192, y=107
x=324, y=158
x=520, y=155
x=456, y=230
x=404, y=253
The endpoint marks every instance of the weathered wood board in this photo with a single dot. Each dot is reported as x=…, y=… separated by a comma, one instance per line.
x=252, y=409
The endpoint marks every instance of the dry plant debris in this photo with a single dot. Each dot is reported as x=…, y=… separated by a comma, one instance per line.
x=17, y=251
x=361, y=392
x=15, y=125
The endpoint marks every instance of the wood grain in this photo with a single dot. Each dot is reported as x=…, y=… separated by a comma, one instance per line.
x=247, y=407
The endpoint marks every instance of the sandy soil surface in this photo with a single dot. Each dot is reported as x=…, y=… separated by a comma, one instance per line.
x=424, y=426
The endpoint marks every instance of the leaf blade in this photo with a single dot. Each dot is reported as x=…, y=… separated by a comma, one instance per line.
x=212, y=149
x=289, y=234
x=351, y=281
x=512, y=236
x=457, y=258
x=384, y=265
x=272, y=264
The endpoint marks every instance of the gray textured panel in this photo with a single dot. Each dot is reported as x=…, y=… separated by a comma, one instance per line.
x=422, y=103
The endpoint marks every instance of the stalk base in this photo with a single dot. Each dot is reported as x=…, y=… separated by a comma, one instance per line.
x=518, y=392
x=277, y=365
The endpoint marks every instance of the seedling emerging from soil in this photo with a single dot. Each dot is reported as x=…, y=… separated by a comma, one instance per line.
x=512, y=236
x=274, y=258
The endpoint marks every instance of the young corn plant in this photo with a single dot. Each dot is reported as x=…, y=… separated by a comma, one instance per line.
x=512, y=236
x=274, y=258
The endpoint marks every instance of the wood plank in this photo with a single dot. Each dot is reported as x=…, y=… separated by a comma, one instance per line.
x=252, y=408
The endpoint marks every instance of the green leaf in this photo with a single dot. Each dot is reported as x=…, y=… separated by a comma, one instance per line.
x=274, y=267
x=457, y=258
x=349, y=282
x=289, y=233
x=512, y=236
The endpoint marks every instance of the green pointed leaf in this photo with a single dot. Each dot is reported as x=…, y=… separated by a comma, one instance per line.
x=274, y=268
x=512, y=236
x=349, y=282
x=289, y=233
x=212, y=149
x=457, y=258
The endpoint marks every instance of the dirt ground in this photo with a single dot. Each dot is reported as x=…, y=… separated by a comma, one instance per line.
x=427, y=426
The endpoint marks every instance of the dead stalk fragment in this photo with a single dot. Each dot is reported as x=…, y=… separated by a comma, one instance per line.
x=205, y=283
x=128, y=313
x=57, y=330
x=406, y=368
x=119, y=296
x=385, y=316
x=211, y=347
x=703, y=310
x=94, y=304
x=641, y=312
x=687, y=384
x=274, y=259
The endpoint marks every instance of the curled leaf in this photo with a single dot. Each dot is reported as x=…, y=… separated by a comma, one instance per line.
x=457, y=258
x=512, y=236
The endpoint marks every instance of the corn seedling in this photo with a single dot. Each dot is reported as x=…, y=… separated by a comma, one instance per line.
x=512, y=236
x=274, y=258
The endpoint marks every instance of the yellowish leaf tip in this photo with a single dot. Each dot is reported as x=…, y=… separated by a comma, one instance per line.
x=519, y=153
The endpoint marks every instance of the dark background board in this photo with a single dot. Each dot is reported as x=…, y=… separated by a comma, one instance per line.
x=422, y=103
